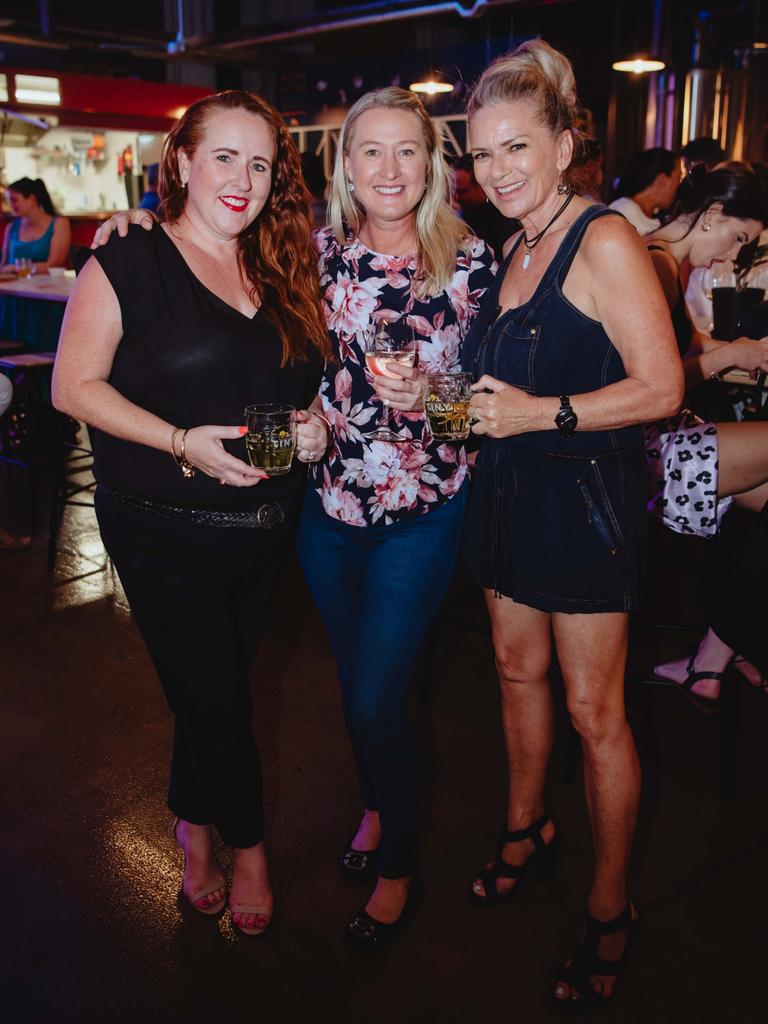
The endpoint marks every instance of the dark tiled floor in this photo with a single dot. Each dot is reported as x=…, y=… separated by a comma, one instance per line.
x=94, y=931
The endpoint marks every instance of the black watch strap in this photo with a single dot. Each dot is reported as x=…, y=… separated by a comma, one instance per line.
x=566, y=419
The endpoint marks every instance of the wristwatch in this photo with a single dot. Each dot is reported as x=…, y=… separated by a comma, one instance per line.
x=566, y=418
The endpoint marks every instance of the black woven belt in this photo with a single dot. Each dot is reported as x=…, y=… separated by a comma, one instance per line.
x=263, y=518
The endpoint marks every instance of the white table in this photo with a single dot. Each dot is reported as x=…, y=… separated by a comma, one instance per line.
x=40, y=286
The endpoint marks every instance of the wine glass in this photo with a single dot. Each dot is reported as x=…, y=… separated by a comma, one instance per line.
x=383, y=350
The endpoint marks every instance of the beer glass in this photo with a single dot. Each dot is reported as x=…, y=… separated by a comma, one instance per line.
x=447, y=404
x=271, y=438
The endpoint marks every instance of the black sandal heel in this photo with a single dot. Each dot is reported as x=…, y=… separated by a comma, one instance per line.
x=586, y=962
x=706, y=705
x=542, y=861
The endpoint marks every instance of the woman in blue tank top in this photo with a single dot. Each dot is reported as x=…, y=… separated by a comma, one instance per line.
x=39, y=235
x=575, y=350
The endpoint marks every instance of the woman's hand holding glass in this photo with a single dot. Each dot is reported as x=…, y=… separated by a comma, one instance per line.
x=204, y=449
x=120, y=222
x=501, y=410
x=404, y=390
x=312, y=436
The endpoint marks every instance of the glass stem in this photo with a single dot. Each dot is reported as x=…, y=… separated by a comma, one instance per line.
x=384, y=417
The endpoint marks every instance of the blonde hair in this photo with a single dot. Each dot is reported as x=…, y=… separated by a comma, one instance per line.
x=537, y=72
x=439, y=231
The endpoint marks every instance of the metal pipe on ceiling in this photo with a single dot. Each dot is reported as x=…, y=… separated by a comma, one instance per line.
x=363, y=20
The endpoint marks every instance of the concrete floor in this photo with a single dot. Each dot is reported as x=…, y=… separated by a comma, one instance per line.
x=93, y=927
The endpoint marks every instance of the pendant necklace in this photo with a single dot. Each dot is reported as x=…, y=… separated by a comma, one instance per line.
x=531, y=243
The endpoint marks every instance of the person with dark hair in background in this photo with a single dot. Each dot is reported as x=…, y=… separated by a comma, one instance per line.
x=151, y=198
x=485, y=220
x=37, y=233
x=699, y=468
x=704, y=151
x=40, y=235
x=647, y=186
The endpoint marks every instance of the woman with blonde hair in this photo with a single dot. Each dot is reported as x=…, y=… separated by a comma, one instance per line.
x=569, y=361
x=381, y=523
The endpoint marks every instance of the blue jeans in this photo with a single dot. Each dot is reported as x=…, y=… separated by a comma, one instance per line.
x=378, y=589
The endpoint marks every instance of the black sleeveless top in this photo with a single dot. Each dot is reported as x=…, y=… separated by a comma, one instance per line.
x=679, y=313
x=548, y=347
x=189, y=357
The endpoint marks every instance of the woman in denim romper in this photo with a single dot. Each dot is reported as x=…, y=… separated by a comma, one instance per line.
x=573, y=350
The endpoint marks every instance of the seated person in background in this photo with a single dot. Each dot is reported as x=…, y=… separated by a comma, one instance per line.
x=698, y=468
x=647, y=186
x=475, y=210
x=36, y=233
x=151, y=198
x=704, y=151
x=40, y=235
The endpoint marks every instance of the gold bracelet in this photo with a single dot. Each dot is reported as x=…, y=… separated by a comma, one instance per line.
x=174, y=432
x=186, y=467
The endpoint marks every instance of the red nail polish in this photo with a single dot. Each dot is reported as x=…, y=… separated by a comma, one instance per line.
x=243, y=430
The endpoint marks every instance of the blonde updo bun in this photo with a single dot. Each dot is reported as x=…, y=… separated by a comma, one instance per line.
x=534, y=71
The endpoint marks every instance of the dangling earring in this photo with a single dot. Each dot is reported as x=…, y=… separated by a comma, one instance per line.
x=562, y=188
x=351, y=186
x=706, y=226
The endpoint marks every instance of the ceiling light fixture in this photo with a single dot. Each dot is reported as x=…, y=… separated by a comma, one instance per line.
x=639, y=65
x=431, y=87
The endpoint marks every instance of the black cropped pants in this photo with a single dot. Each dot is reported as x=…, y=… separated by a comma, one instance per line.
x=200, y=596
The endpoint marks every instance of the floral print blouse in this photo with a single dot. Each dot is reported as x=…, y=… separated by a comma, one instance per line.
x=364, y=483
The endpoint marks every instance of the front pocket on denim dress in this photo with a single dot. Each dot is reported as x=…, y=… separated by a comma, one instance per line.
x=515, y=354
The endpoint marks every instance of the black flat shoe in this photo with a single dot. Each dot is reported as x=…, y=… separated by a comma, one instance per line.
x=586, y=962
x=358, y=863
x=542, y=860
x=366, y=933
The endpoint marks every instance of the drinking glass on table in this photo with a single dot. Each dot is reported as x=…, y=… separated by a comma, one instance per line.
x=383, y=350
x=447, y=405
x=271, y=438
x=24, y=267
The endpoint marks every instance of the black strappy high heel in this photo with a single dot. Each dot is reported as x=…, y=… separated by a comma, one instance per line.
x=587, y=963
x=542, y=859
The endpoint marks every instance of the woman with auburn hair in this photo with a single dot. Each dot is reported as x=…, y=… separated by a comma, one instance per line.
x=555, y=526
x=169, y=334
x=380, y=527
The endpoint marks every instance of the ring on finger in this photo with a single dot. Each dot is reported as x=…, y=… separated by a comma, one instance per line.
x=223, y=482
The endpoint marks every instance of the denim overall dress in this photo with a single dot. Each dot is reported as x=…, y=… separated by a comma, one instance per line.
x=555, y=523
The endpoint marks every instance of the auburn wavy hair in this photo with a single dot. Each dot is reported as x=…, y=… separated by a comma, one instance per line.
x=276, y=250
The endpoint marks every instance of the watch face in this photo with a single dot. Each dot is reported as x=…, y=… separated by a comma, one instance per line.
x=566, y=421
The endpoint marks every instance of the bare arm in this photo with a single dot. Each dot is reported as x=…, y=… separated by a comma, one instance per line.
x=629, y=302
x=707, y=356
x=90, y=335
x=60, y=243
x=6, y=243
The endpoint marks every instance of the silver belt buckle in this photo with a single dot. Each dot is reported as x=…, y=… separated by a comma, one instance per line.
x=269, y=516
